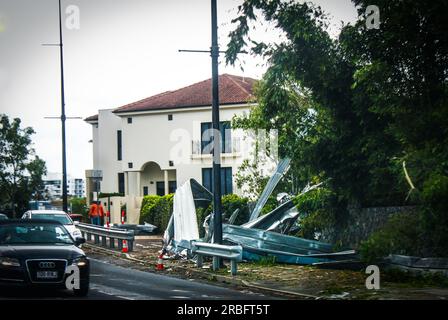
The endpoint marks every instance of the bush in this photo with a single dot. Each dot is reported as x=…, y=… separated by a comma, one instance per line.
x=157, y=210
x=434, y=197
x=400, y=235
x=79, y=206
x=270, y=205
x=317, y=212
x=231, y=202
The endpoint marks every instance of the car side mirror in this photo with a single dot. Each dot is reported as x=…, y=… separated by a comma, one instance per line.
x=79, y=241
x=75, y=223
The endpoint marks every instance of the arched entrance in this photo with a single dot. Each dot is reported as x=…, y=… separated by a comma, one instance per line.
x=154, y=180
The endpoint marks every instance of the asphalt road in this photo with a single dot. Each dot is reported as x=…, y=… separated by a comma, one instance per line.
x=112, y=282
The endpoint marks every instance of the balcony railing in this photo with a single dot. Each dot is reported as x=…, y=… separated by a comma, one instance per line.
x=231, y=146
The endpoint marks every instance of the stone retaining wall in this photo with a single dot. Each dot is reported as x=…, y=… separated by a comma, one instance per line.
x=361, y=223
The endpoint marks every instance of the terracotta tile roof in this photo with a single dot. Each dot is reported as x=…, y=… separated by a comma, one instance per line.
x=232, y=90
x=91, y=118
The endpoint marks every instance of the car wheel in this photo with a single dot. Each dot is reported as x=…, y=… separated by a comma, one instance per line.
x=83, y=289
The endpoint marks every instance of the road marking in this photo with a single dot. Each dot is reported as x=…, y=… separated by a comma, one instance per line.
x=118, y=293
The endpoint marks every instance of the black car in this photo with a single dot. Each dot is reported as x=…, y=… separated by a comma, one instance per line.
x=39, y=253
x=3, y=216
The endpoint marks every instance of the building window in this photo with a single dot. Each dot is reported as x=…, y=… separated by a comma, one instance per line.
x=130, y=165
x=170, y=117
x=226, y=180
x=121, y=182
x=129, y=120
x=207, y=141
x=172, y=186
x=119, y=147
x=160, y=187
x=145, y=191
x=171, y=163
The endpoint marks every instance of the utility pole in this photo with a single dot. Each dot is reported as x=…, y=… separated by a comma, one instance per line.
x=217, y=206
x=216, y=132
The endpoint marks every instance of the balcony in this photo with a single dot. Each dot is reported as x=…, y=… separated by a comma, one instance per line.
x=231, y=149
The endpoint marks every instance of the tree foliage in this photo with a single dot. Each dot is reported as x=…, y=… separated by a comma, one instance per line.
x=363, y=102
x=21, y=170
x=351, y=109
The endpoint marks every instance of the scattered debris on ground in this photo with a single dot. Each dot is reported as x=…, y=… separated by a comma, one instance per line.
x=290, y=281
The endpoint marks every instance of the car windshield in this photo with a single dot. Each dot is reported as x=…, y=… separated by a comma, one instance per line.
x=62, y=218
x=38, y=233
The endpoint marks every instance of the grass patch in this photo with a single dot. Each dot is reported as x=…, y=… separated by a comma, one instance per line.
x=418, y=280
x=267, y=261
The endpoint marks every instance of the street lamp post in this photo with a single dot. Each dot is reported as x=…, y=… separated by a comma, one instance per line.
x=63, y=118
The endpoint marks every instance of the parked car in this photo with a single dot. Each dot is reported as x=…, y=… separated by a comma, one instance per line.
x=55, y=215
x=38, y=252
x=3, y=216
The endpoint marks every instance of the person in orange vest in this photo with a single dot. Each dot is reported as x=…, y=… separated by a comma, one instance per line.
x=96, y=212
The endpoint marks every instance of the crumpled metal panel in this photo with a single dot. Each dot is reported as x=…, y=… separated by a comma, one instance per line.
x=258, y=244
x=281, y=169
x=262, y=239
x=202, y=198
x=234, y=215
x=253, y=254
x=274, y=220
x=282, y=218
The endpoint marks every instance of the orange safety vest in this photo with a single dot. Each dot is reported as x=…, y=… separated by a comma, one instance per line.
x=96, y=210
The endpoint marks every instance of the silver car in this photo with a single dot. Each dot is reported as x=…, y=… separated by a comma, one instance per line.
x=55, y=215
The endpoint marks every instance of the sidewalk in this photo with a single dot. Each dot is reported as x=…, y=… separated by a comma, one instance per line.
x=291, y=281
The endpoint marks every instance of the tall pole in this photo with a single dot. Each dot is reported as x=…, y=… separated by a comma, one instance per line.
x=63, y=118
x=217, y=209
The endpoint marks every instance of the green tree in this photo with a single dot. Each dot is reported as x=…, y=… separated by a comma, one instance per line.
x=379, y=94
x=375, y=97
x=79, y=206
x=21, y=170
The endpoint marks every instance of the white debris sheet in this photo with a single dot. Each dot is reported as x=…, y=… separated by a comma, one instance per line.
x=184, y=214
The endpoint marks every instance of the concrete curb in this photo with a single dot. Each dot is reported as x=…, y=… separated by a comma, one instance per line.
x=208, y=275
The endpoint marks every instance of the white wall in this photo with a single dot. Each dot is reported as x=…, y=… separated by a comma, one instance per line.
x=95, y=146
x=105, y=149
x=151, y=137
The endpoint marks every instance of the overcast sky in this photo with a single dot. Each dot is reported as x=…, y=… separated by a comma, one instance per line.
x=125, y=50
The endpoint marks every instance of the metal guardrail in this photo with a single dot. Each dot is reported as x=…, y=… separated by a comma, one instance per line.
x=232, y=253
x=89, y=230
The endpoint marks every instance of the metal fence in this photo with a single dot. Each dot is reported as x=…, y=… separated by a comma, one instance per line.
x=100, y=235
x=232, y=253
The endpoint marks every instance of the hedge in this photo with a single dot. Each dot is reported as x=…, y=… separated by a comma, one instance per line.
x=157, y=210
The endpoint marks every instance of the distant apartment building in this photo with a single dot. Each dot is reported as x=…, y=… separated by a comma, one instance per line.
x=53, y=186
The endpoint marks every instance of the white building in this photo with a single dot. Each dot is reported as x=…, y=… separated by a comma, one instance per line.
x=156, y=144
x=53, y=186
